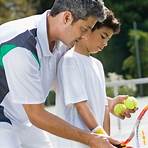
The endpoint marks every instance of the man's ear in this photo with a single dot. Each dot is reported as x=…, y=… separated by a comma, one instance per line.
x=67, y=17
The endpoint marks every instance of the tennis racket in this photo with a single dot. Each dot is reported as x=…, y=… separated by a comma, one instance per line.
x=140, y=133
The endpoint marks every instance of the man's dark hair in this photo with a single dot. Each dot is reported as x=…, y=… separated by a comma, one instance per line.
x=80, y=9
x=110, y=22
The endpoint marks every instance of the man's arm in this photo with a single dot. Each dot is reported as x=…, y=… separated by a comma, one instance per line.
x=51, y=123
x=106, y=123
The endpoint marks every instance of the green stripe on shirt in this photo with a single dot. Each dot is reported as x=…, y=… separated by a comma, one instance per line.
x=4, y=49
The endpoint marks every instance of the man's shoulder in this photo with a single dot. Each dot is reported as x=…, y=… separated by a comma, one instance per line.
x=22, y=22
x=13, y=28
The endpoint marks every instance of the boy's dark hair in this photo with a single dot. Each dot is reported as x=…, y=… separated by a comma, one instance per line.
x=80, y=9
x=110, y=22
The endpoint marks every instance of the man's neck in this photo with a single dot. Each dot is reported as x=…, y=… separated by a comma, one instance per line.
x=51, y=45
x=51, y=32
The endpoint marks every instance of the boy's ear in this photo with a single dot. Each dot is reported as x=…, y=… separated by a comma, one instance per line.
x=67, y=18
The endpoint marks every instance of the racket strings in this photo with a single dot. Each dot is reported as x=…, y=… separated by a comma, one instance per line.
x=143, y=137
x=142, y=133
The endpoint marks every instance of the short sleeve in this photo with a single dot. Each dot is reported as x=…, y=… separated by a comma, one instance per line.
x=106, y=101
x=73, y=84
x=23, y=76
x=103, y=79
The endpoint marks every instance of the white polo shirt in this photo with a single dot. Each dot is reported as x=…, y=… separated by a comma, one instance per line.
x=80, y=78
x=27, y=66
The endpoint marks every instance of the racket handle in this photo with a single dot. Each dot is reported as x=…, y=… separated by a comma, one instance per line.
x=120, y=145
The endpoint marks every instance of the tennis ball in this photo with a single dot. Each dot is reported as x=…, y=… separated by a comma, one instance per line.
x=131, y=103
x=119, y=109
x=100, y=131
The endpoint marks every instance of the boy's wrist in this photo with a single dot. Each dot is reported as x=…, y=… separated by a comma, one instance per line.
x=99, y=130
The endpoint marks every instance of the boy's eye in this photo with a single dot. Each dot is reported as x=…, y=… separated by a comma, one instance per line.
x=103, y=37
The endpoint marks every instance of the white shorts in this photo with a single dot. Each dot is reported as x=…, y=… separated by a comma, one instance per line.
x=23, y=137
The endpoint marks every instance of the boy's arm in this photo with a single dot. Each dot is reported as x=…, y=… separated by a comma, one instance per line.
x=106, y=123
x=86, y=114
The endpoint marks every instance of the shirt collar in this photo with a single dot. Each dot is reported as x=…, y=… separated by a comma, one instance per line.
x=42, y=34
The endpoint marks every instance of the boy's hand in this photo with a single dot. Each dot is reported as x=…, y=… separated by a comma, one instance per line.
x=120, y=99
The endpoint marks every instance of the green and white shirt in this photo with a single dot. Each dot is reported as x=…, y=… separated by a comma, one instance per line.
x=27, y=67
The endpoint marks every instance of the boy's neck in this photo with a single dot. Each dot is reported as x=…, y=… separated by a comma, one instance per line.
x=81, y=49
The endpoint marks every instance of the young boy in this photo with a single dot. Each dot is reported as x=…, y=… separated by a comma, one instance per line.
x=81, y=96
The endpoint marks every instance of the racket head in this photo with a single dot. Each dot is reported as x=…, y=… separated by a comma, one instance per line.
x=141, y=137
x=140, y=134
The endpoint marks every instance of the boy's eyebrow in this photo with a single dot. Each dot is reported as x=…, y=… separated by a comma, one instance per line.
x=106, y=34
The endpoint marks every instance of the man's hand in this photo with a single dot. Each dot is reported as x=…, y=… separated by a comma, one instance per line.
x=100, y=141
x=119, y=99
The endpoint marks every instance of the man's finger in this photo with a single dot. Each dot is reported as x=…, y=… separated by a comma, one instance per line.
x=113, y=141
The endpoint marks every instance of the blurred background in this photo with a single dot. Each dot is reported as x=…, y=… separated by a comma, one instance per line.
x=125, y=59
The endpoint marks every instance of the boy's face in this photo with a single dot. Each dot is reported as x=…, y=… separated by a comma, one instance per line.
x=95, y=41
x=73, y=31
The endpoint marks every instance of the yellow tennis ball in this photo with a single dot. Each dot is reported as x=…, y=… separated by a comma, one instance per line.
x=131, y=102
x=119, y=109
x=100, y=131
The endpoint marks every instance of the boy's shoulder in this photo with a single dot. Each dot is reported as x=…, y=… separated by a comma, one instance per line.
x=68, y=58
x=69, y=55
x=97, y=61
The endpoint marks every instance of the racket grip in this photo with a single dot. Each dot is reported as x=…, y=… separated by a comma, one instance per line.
x=120, y=145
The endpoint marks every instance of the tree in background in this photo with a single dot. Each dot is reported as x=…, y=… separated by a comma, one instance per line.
x=15, y=9
x=130, y=63
x=118, y=49
x=44, y=5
